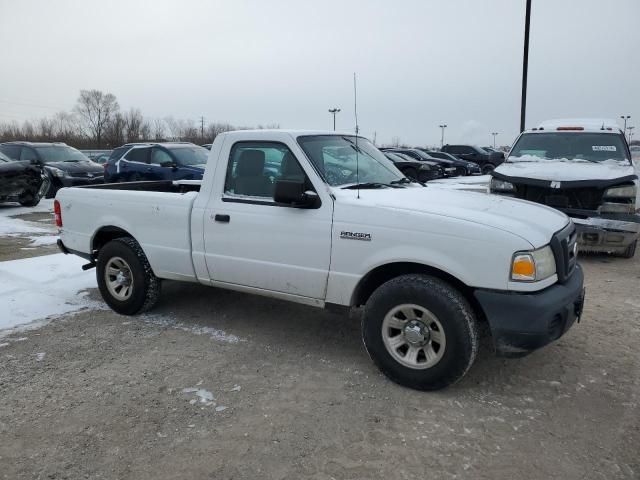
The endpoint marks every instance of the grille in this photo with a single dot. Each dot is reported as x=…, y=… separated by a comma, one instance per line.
x=586, y=198
x=563, y=244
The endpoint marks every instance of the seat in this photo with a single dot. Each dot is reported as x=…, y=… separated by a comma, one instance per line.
x=290, y=168
x=250, y=178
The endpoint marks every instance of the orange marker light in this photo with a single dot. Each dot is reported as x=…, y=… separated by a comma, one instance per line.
x=523, y=268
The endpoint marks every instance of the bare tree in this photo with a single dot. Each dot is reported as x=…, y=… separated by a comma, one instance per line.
x=133, y=121
x=158, y=129
x=114, y=133
x=95, y=109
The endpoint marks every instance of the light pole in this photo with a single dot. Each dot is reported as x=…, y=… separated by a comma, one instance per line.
x=494, y=138
x=443, y=126
x=624, y=119
x=334, y=111
x=525, y=66
x=630, y=129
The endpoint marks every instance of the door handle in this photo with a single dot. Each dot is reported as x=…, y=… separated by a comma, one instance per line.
x=222, y=218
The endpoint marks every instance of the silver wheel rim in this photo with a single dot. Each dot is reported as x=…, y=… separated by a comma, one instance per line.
x=118, y=278
x=413, y=336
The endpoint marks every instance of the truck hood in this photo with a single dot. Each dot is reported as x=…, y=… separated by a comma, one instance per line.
x=530, y=221
x=565, y=170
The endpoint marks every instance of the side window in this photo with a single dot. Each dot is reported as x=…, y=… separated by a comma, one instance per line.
x=11, y=151
x=138, y=155
x=28, y=154
x=254, y=168
x=160, y=157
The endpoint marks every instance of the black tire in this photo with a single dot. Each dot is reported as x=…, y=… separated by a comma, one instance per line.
x=410, y=173
x=29, y=200
x=630, y=251
x=488, y=168
x=456, y=318
x=145, y=285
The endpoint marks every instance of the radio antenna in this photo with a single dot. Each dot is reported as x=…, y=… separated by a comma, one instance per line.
x=355, y=113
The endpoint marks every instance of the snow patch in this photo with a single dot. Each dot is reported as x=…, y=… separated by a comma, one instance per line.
x=43, y=240
x=205, y=396
x=40, y=356
x=167, y=322
x=42, y=287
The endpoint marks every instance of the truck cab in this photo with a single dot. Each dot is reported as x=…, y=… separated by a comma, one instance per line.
x=584, y=168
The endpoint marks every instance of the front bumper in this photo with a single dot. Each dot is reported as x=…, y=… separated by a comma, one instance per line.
x=597, y=234
x=523, y=322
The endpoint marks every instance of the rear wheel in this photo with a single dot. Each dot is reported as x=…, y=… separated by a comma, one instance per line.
x=630, y=251
x=420, y=331
x=488, y=168
x=125, y=278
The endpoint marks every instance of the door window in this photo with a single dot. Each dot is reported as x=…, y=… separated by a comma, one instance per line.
x=160, y=157
x=11, y=151
x=138, y=155
x=254, y=168
x=28, y=154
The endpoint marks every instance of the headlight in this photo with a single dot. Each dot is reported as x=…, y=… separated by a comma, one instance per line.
x=501, y=186
x=425, y=167
x=533, y=266
x=628, y=191
x=56, y=172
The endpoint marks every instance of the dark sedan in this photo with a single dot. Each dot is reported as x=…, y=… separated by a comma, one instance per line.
x=414, y=169
x=448, y=169
x=470, y=168
x=65, y=166
x=21, y=181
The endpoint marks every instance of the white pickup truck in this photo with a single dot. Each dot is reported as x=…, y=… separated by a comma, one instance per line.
x=326, y=220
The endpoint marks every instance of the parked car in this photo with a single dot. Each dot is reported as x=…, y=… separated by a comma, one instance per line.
x=427, y=264
x=95, y=154
x=464, y=167
x=102, y=159
x=414, y=169
x=156, y=161
x=22, y=181
x=486, y=160
x=65, y=166
x=583, y=168
x=447, y=169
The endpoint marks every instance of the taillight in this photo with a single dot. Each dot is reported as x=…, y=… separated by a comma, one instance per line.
x=57, y=212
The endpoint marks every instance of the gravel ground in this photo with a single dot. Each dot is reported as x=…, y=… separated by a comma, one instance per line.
x=218, y=384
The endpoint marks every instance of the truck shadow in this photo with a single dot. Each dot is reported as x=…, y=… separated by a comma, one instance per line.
x=294, y=330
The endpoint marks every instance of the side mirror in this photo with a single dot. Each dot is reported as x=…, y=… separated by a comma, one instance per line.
x=293, y=193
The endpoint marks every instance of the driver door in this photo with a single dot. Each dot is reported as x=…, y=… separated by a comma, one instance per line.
x=251, y=241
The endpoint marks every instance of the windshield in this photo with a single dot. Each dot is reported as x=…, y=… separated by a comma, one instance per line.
x=340, y=162
x=60, y=153
x=192, y=155
x=4, y=158
x=575, y=146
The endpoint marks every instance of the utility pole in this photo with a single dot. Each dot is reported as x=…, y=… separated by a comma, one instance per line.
x=443, y=126
x=525, y=66
x=375, y=134
x=624, y=119
x=494, y=138
x=630, y=129
x=334, y=111
x=202, y=128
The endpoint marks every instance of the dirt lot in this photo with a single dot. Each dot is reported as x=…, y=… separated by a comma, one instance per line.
x=282, y=391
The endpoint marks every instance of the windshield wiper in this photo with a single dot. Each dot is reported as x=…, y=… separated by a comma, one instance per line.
x=369, y=185
x=405, y=180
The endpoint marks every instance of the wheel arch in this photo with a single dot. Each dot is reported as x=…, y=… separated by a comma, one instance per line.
x=383, y=273
x=105, y=234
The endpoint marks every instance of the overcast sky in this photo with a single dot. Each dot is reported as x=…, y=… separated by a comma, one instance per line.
x=419, y=63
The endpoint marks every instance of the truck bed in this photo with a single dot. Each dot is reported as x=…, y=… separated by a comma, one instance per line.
x=156, y=214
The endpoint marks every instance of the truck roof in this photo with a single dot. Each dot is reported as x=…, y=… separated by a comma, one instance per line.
x=603, y=125
x=292, y=132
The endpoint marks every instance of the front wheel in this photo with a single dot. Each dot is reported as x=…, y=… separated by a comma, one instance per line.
x=125, y=278
x=630, y=251
x=420, y=331
x=29, y=200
